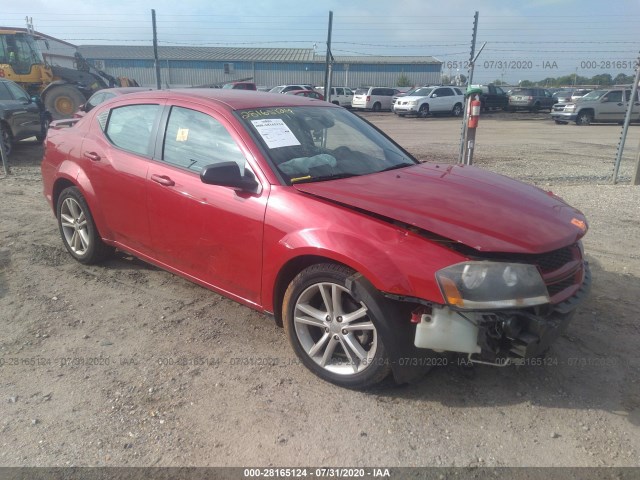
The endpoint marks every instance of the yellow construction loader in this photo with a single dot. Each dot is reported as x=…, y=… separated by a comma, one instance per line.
x=62, y=89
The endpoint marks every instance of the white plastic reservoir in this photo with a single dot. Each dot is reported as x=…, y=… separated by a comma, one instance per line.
x=445, y=330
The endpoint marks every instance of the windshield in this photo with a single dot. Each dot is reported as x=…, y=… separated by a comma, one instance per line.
x=595, y=95
x=21, y=51
x=311, y=144
x=420, y=92
x=228, y=85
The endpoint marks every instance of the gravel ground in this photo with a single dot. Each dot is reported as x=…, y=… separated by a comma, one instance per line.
x=125, y=364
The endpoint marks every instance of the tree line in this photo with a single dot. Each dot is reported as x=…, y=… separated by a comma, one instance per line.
x=604, y=79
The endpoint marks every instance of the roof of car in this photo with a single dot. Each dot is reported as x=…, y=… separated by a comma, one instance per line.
x=232, y=99
x=124, y=90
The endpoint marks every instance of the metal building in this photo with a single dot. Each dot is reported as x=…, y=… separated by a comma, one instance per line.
x=192, y=66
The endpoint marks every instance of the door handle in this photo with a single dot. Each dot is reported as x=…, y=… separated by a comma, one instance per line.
x=92, y=156
x=163, y=180
x=619, y=104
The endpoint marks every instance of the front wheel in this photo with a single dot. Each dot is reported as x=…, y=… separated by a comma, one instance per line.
x=457, y=110
x=584, y=118
x=63, y=100
x=423, y=112
x=331, y=333
x=77, y=228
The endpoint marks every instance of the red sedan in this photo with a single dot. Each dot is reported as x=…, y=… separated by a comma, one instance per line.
x=372, y=261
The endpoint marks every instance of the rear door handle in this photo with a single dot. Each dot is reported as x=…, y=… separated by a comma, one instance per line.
x=92, y=156
x=163, y=180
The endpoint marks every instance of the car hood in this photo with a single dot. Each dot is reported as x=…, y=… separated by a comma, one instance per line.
x=483, y=210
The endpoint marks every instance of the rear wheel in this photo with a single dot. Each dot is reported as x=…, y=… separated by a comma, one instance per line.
x=332, y=333
x=457, y=110
x=77, y=228
x=63, y=101
x=423, y=112
x=560, y=122
x=584, y=118
x=376, y=107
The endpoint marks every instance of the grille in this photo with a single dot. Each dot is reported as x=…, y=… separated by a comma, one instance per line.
x=548, y=262
x=556, y=288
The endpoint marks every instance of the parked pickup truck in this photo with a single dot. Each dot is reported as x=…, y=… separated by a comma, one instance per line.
x=493, y=97
x=604, y=105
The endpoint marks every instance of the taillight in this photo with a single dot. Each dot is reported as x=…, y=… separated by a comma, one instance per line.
x=368, y=98
x=530, y=98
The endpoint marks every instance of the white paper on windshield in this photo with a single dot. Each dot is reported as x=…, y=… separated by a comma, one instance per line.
x=275, y=133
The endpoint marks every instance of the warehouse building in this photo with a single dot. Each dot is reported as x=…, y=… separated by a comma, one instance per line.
x=194, y=66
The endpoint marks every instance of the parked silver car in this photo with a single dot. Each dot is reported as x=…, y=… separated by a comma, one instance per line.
x=604, y=105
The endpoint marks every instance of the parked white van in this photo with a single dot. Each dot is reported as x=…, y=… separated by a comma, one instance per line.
x=373, y=98
x=339, y=95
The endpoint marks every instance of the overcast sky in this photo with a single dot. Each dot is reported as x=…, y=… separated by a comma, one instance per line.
x=525, y=39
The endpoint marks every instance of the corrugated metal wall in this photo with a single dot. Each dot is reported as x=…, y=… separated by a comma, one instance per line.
x=189, y=73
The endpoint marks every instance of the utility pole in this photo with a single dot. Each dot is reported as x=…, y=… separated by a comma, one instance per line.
x=155, y=50
x=625, y=128
x=465, y=118
x=328, y=62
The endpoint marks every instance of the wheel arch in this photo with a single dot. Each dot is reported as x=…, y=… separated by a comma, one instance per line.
x=71, y=175
x=306, y=257
x=287, y=273
x=59, y=185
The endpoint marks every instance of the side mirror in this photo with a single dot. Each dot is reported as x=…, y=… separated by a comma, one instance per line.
x=434, y=95
x=82, y=107
x=37, y=100
x=227, y=174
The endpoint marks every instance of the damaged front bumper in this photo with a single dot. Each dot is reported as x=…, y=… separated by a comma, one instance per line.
x=498, y=337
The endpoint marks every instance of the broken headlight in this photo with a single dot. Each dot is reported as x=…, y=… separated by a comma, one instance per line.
x=490, y=285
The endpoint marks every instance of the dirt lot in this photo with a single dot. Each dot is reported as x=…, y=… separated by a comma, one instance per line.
x=125, y=364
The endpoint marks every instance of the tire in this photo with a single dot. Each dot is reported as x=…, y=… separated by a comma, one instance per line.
x=560, y=122
x=423, y=111
x=328, y=344
x=78, y=230
x=376, y=107
x=63, y=101
x=43, y=132
x=6, y=137
x=536, y=108
x=457, y=110
x=336, y=103
x=584, y=118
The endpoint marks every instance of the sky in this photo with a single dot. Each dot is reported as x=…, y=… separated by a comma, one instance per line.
x=525, y=40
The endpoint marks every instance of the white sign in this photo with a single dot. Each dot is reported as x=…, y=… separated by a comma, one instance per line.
x=275, y=133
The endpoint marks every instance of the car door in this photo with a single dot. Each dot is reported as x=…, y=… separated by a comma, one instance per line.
x=612, y=107
x=209, y=232
x=116, y=153
x=25, y=118
x=441, y=100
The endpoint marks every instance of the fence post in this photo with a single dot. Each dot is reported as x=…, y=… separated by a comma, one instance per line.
x=627, y=120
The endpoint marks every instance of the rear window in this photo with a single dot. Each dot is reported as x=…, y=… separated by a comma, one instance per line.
x=522, y=91
x=362, y=91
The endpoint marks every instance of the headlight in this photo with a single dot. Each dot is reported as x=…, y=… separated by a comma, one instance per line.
x=413, y=102
x=489, y=285
x=570, y=107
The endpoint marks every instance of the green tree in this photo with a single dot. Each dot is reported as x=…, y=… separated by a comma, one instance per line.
x=622, y=79
x=403, y=81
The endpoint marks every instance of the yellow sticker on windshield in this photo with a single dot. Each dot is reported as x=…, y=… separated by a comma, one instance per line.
x=183, y=135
